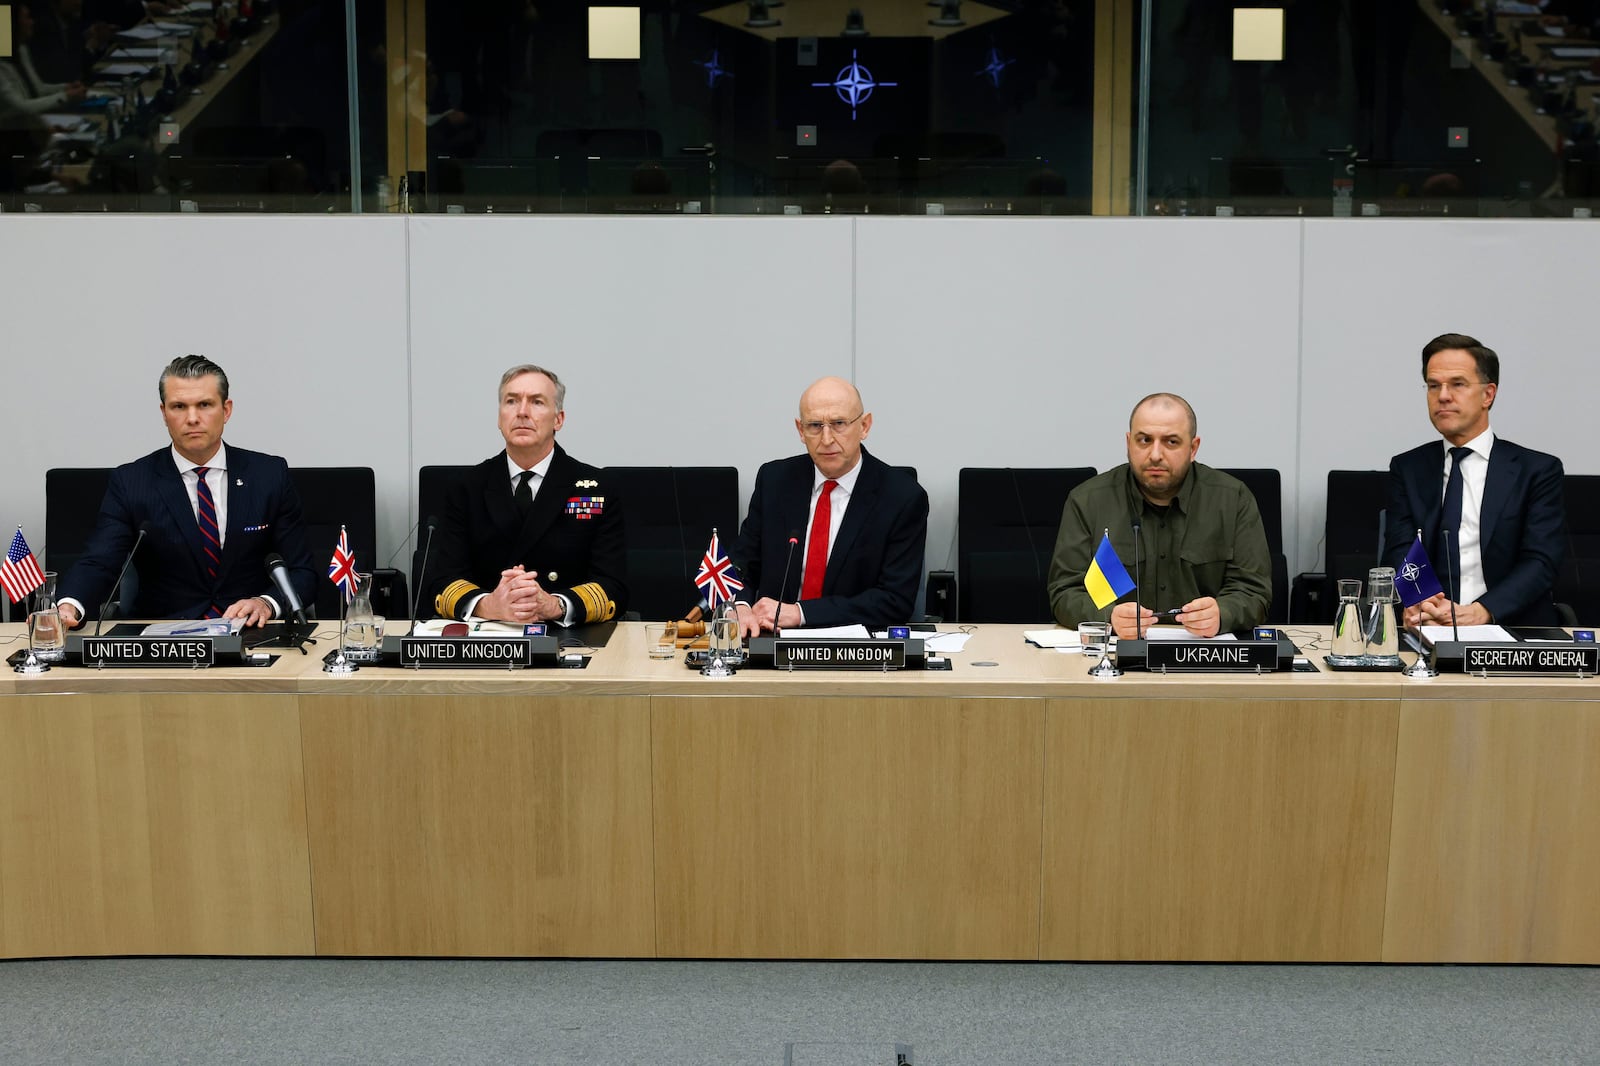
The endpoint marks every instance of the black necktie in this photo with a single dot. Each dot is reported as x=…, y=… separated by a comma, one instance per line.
x=523, y=495
x=1450, y=522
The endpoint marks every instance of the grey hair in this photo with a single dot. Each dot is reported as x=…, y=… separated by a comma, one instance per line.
x=529, y=368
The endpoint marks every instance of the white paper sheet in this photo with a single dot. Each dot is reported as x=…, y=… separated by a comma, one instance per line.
x=1475, y=634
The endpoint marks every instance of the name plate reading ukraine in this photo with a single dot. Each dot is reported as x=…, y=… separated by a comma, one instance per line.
x=800, y=654
x=466, y=652
x=149, y=651
x=1223, y=656
x=1565, y=659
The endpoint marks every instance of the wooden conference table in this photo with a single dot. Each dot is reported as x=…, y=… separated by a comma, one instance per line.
x=1014, y=811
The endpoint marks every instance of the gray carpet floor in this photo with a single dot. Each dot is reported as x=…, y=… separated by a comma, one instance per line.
x=172, y=1011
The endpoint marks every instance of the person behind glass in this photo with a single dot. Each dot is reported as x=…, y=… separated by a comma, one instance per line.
x=1202, y=545
x=858, y=527
x=1492, y=513
x=211, y=514
x=21, y=88
x=531, y=534
x=63, y=44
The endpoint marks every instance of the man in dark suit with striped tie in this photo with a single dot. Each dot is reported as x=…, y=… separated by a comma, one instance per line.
x=211, y=515
x=1492, y=513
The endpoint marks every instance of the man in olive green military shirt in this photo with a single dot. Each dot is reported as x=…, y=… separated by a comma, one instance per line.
x=1203, y=548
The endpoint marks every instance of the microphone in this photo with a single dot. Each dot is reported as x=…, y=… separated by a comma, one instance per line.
x=144, y=527
x=1453, y=592
x=280, y=577
x=422, y=572
x=1138, y=610
x=776, y=628
x=403, y=542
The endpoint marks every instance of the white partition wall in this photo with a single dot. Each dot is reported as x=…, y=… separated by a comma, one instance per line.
x=1003, y=342
x=1009, y=342
x=306, y=315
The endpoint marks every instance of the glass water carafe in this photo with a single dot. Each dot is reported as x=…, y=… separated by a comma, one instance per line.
x=1349, y=629
x=46, y=635
x=1382, y=624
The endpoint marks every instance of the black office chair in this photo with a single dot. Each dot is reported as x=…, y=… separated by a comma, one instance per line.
x=1351, y=535
x=1577, y=591
x=331, y=496
x=433, y=490
x=670, y=512
x=72, y=497
x=1266, y=486
x=1006, y=524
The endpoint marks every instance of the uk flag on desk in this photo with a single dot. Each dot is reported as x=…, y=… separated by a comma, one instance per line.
x=20, y=574
x=342, y=570
x=717, y=578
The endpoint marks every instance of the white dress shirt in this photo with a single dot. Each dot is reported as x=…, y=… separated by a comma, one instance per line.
x=1474, y=473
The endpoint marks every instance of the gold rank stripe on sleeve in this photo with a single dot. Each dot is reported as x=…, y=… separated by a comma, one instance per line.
x=596, y=606
x=453, y=596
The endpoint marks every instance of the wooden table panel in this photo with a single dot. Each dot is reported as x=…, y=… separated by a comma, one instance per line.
x=1216, y=829
x=155, y=823
x=480, y=825
x=1496, y=840
x=847, y=827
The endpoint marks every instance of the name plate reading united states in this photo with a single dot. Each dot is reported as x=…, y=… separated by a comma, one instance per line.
x=1211, y=656
x=800, y=654
x=191, y=652
x=1566, y=660
x=467, y=653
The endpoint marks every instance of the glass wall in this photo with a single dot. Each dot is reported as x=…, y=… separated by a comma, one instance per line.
x=1163, y=107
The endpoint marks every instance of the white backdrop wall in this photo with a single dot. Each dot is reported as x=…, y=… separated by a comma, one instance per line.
x=377, y=341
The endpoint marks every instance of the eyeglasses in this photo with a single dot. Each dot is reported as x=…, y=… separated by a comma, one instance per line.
x=838, y=426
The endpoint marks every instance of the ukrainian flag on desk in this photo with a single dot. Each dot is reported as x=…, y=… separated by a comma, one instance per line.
x=1107, y=580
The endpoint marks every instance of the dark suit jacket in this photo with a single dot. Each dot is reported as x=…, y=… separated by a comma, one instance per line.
x=263, y=517
x=1522, y=526
x=876, y=562
x=480, y=534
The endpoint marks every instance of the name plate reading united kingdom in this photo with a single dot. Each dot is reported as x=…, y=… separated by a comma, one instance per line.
x=800, y=654
x=493, y=653
x=191, y=652
x=1211, y=656
x=1566, y=660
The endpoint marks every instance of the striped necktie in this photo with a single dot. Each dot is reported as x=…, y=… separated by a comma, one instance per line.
x=210, y=535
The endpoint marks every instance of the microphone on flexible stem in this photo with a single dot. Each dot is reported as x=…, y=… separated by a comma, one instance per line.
x=144, y=527
x=280, y=577
x=422, y=572
x=777, y=627
x=1138, y=629
x=1455, y=632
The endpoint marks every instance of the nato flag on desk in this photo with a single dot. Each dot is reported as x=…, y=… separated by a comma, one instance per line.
x=1107, y=580
x=1415, y=581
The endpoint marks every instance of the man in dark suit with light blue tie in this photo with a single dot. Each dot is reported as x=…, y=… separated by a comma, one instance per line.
x=858, y=525
x=211, y=514
x=1491, y=512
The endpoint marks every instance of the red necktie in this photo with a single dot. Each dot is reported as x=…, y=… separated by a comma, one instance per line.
x=817, y=544
x=206, y=516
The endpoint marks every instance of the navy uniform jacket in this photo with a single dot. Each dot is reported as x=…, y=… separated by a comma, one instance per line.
x=263, y=517
x=1521, y=527
x=876, y=562
x=574, y=530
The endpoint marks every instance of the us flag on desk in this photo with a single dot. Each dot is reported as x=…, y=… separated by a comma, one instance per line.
x=718, y=578
x=342, y=570
x=20, y=574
